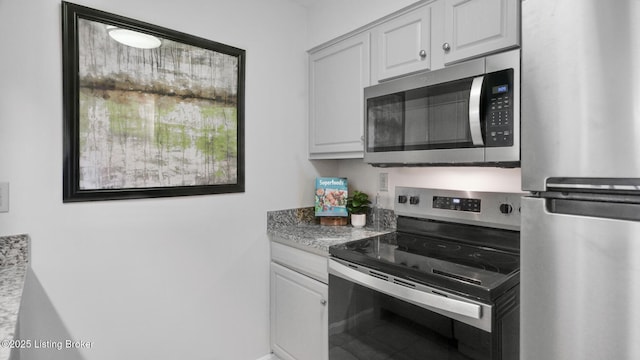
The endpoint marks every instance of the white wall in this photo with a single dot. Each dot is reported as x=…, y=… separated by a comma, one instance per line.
x=173, y=278
x=332, y=18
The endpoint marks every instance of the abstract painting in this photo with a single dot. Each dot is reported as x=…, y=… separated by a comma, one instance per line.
x=148, y=111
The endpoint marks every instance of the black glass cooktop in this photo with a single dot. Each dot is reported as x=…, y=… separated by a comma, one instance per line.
x=468, y=268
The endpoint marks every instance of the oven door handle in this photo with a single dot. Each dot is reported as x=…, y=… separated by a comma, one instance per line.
x=416, y=297
x=475, y=97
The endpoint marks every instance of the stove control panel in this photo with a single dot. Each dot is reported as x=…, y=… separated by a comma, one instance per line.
x=456, y=203
x=493, y=209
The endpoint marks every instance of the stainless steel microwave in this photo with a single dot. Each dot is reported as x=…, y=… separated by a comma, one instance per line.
x=464, y=114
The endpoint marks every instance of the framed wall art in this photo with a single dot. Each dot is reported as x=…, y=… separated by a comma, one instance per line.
x=148, y=111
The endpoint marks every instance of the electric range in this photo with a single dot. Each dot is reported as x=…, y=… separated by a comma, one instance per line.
x=451, y=270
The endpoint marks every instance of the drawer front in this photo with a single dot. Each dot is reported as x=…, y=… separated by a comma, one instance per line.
x=312, y=265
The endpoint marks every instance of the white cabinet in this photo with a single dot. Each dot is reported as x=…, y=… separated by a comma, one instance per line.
x=402, y=45
x=337, y=76
x=477, y=27
x=442, y=32
x=299, y=316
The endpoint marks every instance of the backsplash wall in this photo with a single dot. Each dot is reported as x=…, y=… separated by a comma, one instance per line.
x=365, y=177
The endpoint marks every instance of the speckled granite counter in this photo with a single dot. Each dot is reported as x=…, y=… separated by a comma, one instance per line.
x=14, y=260
x=300, y=229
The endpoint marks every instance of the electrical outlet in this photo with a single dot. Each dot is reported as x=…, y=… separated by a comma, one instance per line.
x=4, y=197
x=383, y=182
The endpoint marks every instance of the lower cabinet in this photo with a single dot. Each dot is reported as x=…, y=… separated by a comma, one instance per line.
x=299, y=315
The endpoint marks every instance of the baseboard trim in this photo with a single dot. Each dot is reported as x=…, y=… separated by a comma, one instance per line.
x=268, y=357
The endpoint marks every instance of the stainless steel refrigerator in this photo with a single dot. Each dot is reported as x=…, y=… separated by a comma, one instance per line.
x=580, y=235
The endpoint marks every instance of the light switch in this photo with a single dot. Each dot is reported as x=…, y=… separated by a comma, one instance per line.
x=4, y=197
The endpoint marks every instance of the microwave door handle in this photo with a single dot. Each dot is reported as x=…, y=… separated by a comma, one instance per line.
x=474, y=111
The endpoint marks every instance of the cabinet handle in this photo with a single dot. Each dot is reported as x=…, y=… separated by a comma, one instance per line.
x=323, y=302
x=423, y=54
x=446, y=47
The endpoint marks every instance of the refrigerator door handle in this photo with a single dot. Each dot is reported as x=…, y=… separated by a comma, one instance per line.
x=595, y=185
x=474, y=111
x=608, y=210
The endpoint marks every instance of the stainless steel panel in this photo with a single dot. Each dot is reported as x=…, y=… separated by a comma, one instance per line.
x=504, y=60
x=442, y=156
x=450, y=73
x=580, y=90
x=489, y=216
x=580, y=286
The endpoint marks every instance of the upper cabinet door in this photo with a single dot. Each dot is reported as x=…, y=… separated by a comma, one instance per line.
x=338, y=75
x=478, y=27
x=402, y=45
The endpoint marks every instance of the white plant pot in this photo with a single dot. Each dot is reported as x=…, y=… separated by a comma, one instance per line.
x=358, y=220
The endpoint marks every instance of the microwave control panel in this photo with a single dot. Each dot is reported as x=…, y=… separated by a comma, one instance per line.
x=499, y=109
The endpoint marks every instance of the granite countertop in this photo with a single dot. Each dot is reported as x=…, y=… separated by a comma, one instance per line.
x=14, y=261
x=300, y=229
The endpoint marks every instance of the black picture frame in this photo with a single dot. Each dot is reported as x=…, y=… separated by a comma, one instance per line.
x=169, y=122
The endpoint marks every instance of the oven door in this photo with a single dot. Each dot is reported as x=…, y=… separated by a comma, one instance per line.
x=376, y=316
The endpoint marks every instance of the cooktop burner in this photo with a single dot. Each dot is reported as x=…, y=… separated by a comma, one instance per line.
x=482, y=258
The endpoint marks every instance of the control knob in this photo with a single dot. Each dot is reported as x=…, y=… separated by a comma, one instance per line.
x=506, y=209
x=402, y=199
x=414, y=200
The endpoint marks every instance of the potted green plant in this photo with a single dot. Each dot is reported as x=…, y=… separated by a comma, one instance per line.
x=357, y=206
